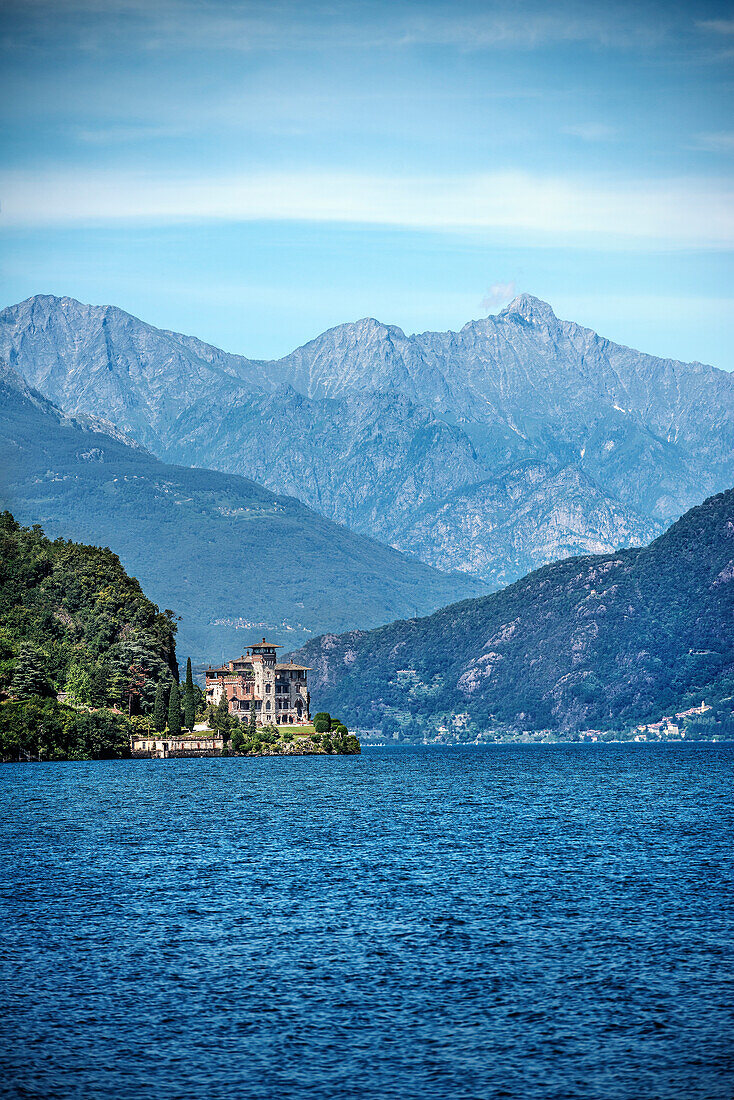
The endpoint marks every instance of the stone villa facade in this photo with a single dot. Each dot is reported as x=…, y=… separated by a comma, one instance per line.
x=279, y=692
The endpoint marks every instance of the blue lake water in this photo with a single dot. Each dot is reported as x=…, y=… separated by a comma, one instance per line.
x=548, y=922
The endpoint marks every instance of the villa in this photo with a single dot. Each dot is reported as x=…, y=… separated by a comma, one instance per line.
x=278, y=692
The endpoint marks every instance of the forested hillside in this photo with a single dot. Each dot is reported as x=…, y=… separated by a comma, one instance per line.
x=600, y=641
x=72, y=621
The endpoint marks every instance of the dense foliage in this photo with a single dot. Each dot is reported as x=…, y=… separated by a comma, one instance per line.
x=42, y=729
x=73, y=622
x=71, y=615
x=244, y=742
x=599, y=641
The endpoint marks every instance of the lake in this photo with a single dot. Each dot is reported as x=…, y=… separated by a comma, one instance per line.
x=547, y=922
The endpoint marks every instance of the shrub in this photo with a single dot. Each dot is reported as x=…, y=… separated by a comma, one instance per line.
x=42, y=729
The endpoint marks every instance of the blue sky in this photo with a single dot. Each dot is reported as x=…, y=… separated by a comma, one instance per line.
x=255, y=172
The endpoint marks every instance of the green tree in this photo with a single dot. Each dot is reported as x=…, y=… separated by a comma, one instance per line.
x=98, y=686
x=199, y=701
x=174, y=710
x=252, y=722
x=116, y=686
x=237, y=743
x=159, y=707
x=189, y=700
x=78, y=685
x=389, y=727
x=269, y=734
x=30, y=675
x=321, y=717
x=135, y=687
x=221, y=715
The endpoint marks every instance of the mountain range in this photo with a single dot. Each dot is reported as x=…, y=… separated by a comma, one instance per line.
x=516, y=441
x=229, y=556
x=601, y=640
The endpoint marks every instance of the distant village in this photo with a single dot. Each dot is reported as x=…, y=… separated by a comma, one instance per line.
x=671, y=727
x=667, y=729
x=456, y=729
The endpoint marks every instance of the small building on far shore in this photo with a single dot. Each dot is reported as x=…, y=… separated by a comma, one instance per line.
x=161, y=746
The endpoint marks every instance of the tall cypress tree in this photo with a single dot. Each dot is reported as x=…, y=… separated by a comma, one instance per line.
x=159, y=707
x=174, y=710
x=221, y=714
x=189, y=702
x=252, y=724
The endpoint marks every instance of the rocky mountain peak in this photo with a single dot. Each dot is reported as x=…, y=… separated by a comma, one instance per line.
x=371, y=327
x=531, y=309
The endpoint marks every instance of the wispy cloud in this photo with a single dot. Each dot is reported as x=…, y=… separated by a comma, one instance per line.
x=497, y=295
x=717, y=26
x=529, y=26
x=591, y=131
x=283, y=25
x=121, y=135
x=720, y=141
x=695, y=211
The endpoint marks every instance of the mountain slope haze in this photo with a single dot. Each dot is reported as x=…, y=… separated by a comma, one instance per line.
x=220, y=550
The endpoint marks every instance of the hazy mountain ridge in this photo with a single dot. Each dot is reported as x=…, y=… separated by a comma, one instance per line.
x=215, y=547
x=101, y=360
x=601, y=640
x=412, y=438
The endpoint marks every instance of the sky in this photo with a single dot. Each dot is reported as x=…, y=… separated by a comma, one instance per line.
x=253, y=173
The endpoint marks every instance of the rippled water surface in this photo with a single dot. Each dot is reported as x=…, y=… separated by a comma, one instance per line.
x=518, y=922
